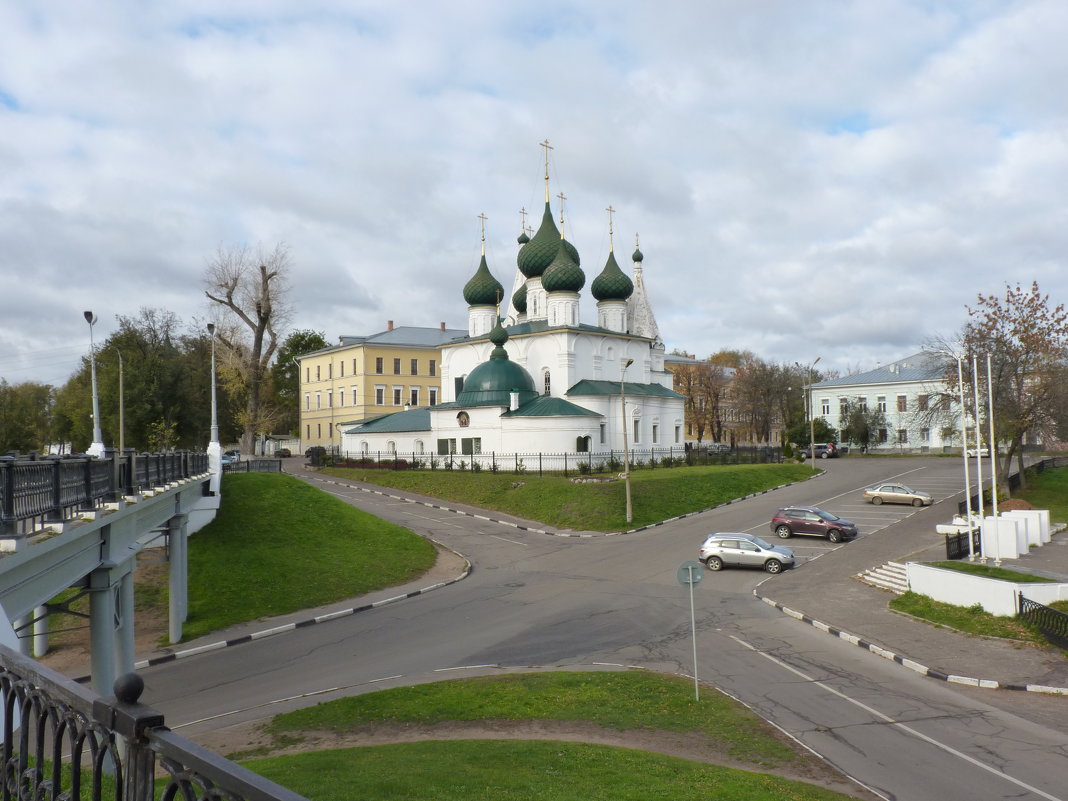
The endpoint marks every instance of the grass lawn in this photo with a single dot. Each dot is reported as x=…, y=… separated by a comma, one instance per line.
x=473, y=770
x=525, y=770
x=1049, y=490
x=970, y=619
x=279, y=545
x=989, y=571
x=656, y=494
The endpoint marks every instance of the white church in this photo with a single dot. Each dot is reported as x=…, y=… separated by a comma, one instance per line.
x=542, y=381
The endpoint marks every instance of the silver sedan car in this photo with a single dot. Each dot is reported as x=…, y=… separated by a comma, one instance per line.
x=897, y=493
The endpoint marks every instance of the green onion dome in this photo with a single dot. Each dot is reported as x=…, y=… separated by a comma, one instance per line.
x=637, y=255
x=523, y=238
x=612, y=283
x=563, y=274
x=519, y=299
x=493, y=381
x=537, y=254
x=483, y=289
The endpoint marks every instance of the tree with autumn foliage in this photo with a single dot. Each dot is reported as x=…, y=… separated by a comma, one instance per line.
x=1027, y=341
x=704, y=383
x=251, y=288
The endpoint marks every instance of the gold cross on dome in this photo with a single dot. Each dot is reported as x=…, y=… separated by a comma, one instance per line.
x=610, y=211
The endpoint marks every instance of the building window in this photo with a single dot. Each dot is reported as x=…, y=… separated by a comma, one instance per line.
x=363, y=447
x=354, y=400
x=307, y=375
x=397, y=392
x=880, y=403
x=308, y=431
x=656, y=433
x=391, y=446
x=378, y=365
x=317, y=375
x=463, y=419
x=330, y=399
x=419, y=446
x=921, y=403
x=882, y=435
x=396, y=366
x=446, y=446
x=319, y=430
x=380, y=396
x=330, y=430
x=603, y=433
x=843, y=407
x=547, y=382
x=863, y=403
x=689, y=429
x=415, y=367
x=471, y=445
x=330, y=370
x=307, y=401
x=925, y=435
x=433, y=396
x=678, y=434
x=318, y=400
x=413, y=396
x=902, y=436
x=341, y=398
x=825, y=406
x=433, y=367
x=637, y=429
x=341, y=369
x=582, y=444
x=457, y=386
x=354, y=370
x=902, y=403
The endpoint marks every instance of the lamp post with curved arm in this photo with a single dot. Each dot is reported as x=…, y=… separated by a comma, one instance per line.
x=214, y=446
x=810, y=407
x=626, y=449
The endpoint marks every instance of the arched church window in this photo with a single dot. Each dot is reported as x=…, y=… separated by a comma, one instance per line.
x=548, y=384
x=464, y=419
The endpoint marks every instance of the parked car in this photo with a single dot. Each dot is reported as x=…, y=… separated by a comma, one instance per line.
x=897, y=493
x=229, y=457
x=283, y=453
x=743, y=550
x=982, y=452
x=812, y=520
x=824, y=450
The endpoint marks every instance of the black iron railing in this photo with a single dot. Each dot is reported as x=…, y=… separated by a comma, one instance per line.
x=254, y=466
x=36, y=490
x=1052, y=623
x=957, y=544
x=61, y=741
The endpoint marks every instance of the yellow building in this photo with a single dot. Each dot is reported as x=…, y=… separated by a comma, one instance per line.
x=363, y=377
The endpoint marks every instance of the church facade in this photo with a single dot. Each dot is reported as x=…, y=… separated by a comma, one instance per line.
x=540, y=380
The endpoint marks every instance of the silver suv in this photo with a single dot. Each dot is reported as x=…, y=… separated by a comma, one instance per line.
x=743, y=550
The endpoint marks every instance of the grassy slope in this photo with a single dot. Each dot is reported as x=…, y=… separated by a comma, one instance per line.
x=556, y=501
x=279, y=545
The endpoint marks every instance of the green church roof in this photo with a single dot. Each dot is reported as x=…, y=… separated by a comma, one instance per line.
x=537, y=254
x=563, y=275
x=548, y=406
x=612, y=283
x=597, y=387
x=483, y=289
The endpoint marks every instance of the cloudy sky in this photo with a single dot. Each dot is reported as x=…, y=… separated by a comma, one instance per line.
x=820, y=178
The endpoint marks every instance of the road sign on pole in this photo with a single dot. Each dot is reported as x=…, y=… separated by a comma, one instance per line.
x=689, y=574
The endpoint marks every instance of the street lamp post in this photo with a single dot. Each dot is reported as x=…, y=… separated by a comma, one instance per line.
x=214, y=447
x=811, y=413
x=626, y=449
x=97, y=447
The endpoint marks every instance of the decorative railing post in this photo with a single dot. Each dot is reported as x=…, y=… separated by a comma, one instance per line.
x=131, y=721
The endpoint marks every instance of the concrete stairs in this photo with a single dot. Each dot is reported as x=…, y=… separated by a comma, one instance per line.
x=891, y=576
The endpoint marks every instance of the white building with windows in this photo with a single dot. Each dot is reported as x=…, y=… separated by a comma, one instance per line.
x=540, y=380
x=921, y=413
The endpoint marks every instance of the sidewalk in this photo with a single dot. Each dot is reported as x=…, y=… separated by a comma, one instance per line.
x=828, y=591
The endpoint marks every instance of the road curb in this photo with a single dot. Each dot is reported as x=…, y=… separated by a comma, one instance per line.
x=904, y=661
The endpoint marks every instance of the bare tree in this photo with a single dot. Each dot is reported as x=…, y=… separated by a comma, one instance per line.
x=705, y=385
x=252, y=289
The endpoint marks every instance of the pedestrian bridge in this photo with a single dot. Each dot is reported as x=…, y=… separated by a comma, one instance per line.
x=80, y=523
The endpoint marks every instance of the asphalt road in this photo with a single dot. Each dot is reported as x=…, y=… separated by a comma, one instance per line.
x=536, y=601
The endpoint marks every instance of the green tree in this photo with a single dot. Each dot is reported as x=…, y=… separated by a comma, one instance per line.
x=26, y=416
x=285, y=378
x=861, y=424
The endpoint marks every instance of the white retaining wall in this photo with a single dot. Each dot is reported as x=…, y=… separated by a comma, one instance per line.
x=963, y=589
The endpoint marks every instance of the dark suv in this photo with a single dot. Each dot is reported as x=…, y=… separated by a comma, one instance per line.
x=824, y=450
x=812, y=520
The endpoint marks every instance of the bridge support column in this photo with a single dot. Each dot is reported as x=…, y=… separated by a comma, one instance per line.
x=103, y=609
x=111, y=624
x=40, y=632
x=178, y=547
x=25, y=628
